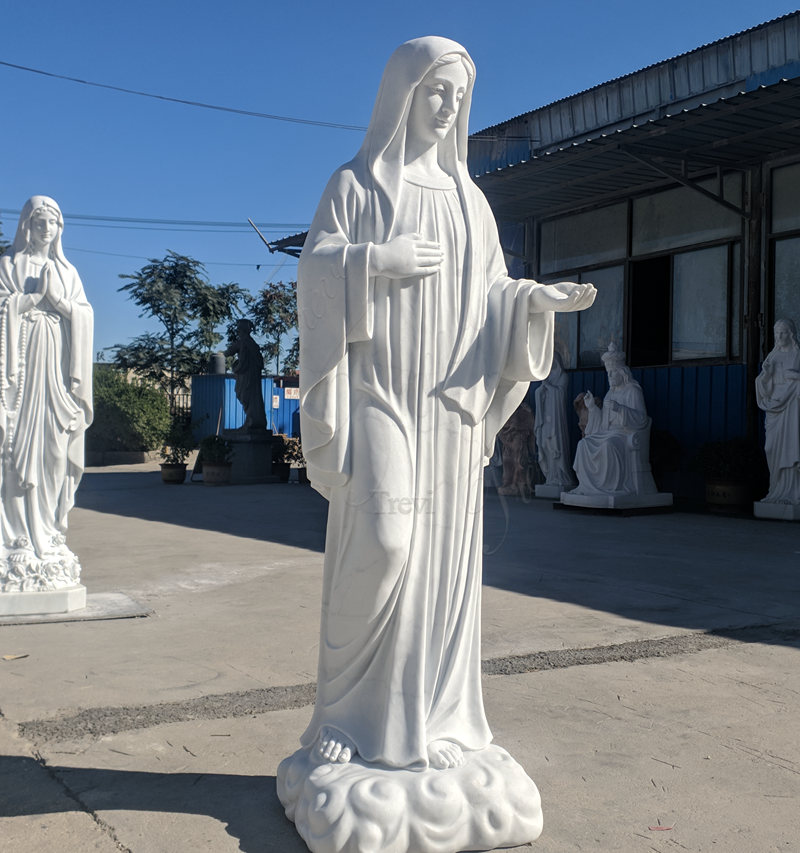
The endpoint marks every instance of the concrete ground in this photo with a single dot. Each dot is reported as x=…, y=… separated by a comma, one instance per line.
x=644, y=670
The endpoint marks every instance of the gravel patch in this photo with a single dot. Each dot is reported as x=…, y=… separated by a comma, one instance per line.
x=97, y=722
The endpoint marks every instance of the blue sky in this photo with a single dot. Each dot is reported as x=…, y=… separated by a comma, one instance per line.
x=105, y=153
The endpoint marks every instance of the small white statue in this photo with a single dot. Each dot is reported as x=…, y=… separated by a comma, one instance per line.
x=45, y=407
x=416, y=347
x=778, y=394
x=612, y=459
x=552, y=433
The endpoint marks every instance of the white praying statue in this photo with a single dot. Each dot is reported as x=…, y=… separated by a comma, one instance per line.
x=552, y=433
x=778, y=395
x=612, y=460
x=416, y=347
x=45, y=407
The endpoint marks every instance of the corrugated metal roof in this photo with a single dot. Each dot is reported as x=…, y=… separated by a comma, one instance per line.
x=711, y=73
x=728, y=133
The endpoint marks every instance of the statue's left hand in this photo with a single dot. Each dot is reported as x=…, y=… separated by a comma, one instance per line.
x=563, y=296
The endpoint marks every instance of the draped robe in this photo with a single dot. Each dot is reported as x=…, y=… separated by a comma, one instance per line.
x=404, y=385
x=46, y=355
x=778, y=396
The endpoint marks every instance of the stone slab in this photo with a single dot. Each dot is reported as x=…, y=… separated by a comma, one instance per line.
x=101, y=605
x=553, y=493
x=781, y=512
x=46, y=602
x=252, y=458
x=617, y=501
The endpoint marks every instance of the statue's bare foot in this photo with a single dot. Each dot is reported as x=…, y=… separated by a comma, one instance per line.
x=444, y=753
x=333, y=746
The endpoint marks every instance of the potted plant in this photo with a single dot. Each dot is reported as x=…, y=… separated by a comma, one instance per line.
x=178, y=444
x=732, y=471
x=216, y=454
x=294, y=455
x=287, y=453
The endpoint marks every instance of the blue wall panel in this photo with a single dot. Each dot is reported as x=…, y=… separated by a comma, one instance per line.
x=695, y=404
x=214, y=398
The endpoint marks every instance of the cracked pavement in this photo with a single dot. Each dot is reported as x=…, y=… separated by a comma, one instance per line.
x=644, y=670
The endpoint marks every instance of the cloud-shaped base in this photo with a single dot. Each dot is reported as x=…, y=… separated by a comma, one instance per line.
x=488, y=802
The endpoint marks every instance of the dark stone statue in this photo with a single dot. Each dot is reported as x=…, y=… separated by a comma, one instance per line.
x=247, y=368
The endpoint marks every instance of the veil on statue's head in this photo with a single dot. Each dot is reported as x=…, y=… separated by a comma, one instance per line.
x=34, y=205
x=383, y=149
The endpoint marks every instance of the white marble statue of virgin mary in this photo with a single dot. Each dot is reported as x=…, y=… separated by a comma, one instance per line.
x=415, y=348
x=45, y=401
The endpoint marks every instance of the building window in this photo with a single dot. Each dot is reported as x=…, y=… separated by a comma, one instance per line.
x=682, y=217
x=593, y=237
x=685, y=306
x=582, y=337
x=785, y=219
x=787, y=279
x=700, y=304
x=785, y=194
x=603, y=324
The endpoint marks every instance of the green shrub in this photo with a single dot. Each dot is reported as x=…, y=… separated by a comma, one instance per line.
x=126, y=416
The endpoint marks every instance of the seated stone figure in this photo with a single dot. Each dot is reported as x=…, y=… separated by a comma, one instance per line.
x=612, y=461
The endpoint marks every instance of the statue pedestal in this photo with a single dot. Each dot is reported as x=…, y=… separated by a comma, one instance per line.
x=617, y=501
x=551, y=492
x=782, y=512
x=48, y=601
x=252, y=457
x=486, y=803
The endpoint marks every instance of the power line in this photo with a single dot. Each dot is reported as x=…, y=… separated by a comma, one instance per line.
x=482, y=137
x=87, y=217
x=187, y=103
x=258, y=266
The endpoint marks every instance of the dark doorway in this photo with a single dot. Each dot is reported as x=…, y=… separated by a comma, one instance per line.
x=650, y=312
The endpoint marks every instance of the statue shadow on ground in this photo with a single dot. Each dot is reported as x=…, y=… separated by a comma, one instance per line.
x=678, y=570
x=289, y=514
x=248, y=806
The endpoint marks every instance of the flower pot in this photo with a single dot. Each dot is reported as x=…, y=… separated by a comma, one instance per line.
x=721, y=495
x=282, y=470
x=173, y=472
x=216, y=474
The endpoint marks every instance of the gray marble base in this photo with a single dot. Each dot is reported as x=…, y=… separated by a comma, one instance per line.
x=617, y=501
x=252, y=457
x=48, y=601
x=487, y=803
x=552, y=492
x=100, y=606
x=782, y=512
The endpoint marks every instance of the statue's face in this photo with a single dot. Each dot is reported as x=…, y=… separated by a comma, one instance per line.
x=615, y=377
x=436, y=102
x=783, y=337
x=44, y=228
